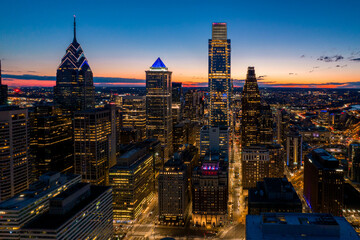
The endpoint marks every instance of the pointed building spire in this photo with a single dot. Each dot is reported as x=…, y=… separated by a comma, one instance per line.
x=74, y=29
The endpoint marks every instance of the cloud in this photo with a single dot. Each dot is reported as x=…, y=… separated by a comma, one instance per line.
x=334, y=58
x=292, y=73
x=302, y=56
x=316, y=67
x=262, y=77
x=355, y=59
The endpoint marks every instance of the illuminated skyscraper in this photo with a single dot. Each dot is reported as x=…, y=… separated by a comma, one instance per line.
x=74, y=88
x=3, y=91
x=94, y=144
x=219, y=76
x=14, y=151
x=354, y=162
x=158, y=105
x=251, y=108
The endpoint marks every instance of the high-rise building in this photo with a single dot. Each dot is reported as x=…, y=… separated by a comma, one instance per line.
x=294, y=226
x=323, y=183
x=251, y=110
x=354, y=162
x=173, y=193
x=134, y=114
x=194, y=106
x=74, y=88
x=80, y=212
x=273, y=195
x=255, y=165
x=266, y=131
x=294, y=151
x=220, y=86
x=132, y=180
x=3, y=91
x=25, y=206
x=215, y=140
x=95, y=144
x=51, y=140
x=276, y=160
x=158, y=105
x=282, y=126
x=210, y=194
x=15, y=167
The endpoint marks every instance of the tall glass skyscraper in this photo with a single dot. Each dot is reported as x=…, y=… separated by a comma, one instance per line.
x=219, y=76
x=251, y=106
x=74, y=88
x=158, y=106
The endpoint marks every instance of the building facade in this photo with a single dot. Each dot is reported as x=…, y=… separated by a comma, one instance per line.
x=80, y=212
x=323, y=183
x=27, y=205
x=215, y=140
x=51, y=140
x=3, y=91
x=354, y=162
x=294, y=151
x=15, y=165
x=74, y=88
x=95, y=144
x=220, y=86
x=158, y=106
x=173, y=193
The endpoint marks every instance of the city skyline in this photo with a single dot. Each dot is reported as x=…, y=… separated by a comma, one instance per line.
x=290, y=44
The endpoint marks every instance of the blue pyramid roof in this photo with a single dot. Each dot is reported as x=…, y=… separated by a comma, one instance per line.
x=158, y=64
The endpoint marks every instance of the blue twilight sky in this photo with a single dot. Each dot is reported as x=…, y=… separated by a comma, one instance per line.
x=289, y=42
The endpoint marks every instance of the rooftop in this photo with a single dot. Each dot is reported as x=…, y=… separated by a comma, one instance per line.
x=158, y=64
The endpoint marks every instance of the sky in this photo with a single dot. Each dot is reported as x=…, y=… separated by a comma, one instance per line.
x=290, y=43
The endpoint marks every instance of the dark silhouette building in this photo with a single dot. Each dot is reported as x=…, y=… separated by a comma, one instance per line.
x=51, y=140
x=273, y=195
x=74, y=88
x=220, y=86
x=323, y=182
x=3, y=91
x=354, y=162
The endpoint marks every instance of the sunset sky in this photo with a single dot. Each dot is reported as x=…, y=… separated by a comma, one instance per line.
x=290, y=43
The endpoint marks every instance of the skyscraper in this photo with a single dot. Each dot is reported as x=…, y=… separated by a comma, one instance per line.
x=323, y=183
x=219, y=76
x=251, y=107
x=14, y=151
x=74, y=88
x=94, y=144
x=354, y=162
x=158, y=105
x=3, y=91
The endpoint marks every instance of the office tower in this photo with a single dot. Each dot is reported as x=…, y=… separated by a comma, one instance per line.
x=210, y=194
x=173, y=193
x=74, y=88
x=80, y=212
x=177, y=92
x=158, y=105
x=25, y=206
x=219, y=76
x=255, y=165
x=94, y=144
x=189, y=155
x=179, y=135
x=266, y=131
x=194, y=106
x=354, y=162
x=273, y=195
x=51, y=140
x=282, y=126
x=323, y=183
x=132, y=181
x=293, y=151
x=251, y=110
x=276, y=160
x=15, y=166
x=215, y=140
x=294, y=226
x=134, y=114
x=3, y=91
x=315, y=136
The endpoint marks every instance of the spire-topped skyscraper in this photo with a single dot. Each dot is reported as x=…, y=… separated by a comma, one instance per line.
x=251, y=107
x=3, y=91
x=219, y=76
x=74, y=88
x=158, y=106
